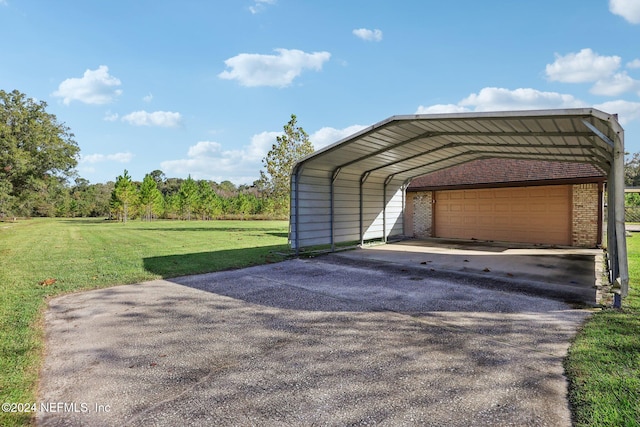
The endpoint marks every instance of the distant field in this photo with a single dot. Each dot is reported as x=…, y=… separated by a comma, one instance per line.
x=41, y=258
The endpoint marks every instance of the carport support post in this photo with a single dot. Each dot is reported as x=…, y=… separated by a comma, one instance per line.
x=294, y=203
x=621, y=240
x=612, y=242
x=363, y=179
x=384, y=207
x=332, y=215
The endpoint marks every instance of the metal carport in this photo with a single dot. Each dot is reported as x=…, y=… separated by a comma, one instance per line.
x=354, y=190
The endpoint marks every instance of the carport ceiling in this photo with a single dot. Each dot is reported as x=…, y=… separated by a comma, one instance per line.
x=404, y=147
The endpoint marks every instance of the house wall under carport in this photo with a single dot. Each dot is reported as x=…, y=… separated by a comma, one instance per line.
x=585, y=203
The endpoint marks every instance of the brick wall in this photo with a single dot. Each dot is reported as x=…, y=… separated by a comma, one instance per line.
x=422, y=213
x=585, y=206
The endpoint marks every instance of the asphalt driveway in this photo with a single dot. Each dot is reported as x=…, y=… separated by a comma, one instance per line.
x=322, y=341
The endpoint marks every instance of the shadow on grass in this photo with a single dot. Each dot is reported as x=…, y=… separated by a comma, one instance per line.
x=205, y=262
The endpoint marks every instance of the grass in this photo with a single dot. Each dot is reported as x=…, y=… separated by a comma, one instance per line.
x=603, y=363
x=81, y=254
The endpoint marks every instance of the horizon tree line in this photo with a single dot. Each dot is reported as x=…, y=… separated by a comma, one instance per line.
x=38, y=156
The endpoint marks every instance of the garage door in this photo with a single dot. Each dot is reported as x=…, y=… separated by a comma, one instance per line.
x=522, y=214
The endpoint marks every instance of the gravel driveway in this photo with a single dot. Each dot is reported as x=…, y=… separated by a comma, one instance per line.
x=307, y=342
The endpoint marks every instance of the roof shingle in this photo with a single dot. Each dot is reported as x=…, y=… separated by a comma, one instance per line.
x=506, y=171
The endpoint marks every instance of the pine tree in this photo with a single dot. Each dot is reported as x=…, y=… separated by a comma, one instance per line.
x=279, y=162
x=126, y=193
x=150, y=197
x=188, y=195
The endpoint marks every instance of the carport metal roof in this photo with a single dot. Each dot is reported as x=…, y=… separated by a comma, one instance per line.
x=374, y=165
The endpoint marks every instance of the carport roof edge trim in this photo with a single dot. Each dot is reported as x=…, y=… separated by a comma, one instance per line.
x=372, y=149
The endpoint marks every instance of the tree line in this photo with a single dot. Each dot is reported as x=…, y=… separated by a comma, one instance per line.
x=38, y=156
x=176, y=198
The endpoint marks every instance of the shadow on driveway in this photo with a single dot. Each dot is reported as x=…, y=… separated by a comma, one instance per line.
x=307, y=342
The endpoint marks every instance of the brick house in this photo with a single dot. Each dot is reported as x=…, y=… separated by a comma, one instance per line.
x=499, y=199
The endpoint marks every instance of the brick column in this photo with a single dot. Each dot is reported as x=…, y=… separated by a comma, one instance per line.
x=422, y=214
x=585, y=206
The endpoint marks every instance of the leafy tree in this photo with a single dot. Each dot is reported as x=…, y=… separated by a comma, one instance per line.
x=188, y=196
x=632, y=171
x=34, y=147
x=158, y=176
x=170, y=186
x=6, y=198
x=102, y=198
x=125, y=193
x=227, y=189
x=279, y=161
x=150, y=197
x=83, y=199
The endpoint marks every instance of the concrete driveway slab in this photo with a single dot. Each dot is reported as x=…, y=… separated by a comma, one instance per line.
x=307, y=342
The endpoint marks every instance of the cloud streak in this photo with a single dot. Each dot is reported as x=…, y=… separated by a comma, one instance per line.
x=99, y=158
x=260, y=5
x=166, y=119
x=368, y=35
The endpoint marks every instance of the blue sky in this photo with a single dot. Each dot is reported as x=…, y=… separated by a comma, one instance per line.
x=204, y=87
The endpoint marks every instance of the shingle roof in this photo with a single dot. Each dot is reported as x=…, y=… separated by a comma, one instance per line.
x=503, y=171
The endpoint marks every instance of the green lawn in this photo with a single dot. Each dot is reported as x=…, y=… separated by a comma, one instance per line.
x=603, y=364
x=85, y=254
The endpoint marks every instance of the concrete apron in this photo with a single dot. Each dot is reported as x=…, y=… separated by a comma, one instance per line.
x=565, y=273
x=332, y=340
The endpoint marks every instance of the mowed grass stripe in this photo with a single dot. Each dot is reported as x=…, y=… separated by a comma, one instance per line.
x=83, y=254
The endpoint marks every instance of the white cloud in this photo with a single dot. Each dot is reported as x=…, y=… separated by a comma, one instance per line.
x=260, y=5
x=500, y=99
x=328, y=135
x=165, y=119
x=627, y=111
x=368, y=35
x=148, y=98
x=252, y=70
x=260, y=146
x=441, y=109
x=204, y=148
x=628, y=9
x=634, y=64
x=111, y=117
x=98, y=158
x=581, y=67
x=587, y=66
x=94, y=87
x=615, y=85
x=207, y=160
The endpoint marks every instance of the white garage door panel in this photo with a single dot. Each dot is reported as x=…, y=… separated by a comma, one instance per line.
x=525, y=214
